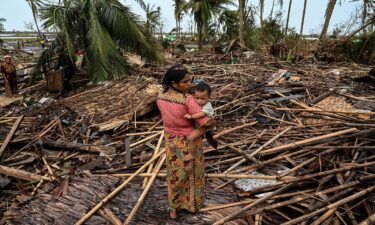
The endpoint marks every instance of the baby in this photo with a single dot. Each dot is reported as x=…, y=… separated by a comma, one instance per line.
x=202, y=94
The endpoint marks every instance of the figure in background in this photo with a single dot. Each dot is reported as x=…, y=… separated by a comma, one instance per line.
x=65, y=64
x=8, y=69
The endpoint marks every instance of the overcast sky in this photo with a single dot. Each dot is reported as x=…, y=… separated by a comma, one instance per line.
x=17, y=13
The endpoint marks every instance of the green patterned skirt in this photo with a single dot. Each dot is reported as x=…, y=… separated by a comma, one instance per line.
x=185, y=178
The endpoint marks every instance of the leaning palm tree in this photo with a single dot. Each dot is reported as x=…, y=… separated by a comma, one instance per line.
x=329, y=10
x=203, y=10
x=99, y=27
x=303, y=18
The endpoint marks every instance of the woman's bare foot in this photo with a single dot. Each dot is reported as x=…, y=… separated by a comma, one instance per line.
x=173, y=214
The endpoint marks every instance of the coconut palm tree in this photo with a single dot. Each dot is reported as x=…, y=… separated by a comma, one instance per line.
x=179, y=9
x=34, y=5
x=99, y=27
x=152, y=18
x=241, y=10
x=261, y=10
x=230, y=24
x=303, y=17
x=203, y=10
x=287, y=19
x=329, y=10
x=281, y=3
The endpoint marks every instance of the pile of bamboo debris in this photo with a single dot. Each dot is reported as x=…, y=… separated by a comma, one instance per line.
x=296, y=146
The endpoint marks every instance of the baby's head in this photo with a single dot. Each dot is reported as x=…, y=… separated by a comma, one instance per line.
x=202, y=93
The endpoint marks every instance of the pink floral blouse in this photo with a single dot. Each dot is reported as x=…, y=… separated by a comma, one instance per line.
x=173, y=107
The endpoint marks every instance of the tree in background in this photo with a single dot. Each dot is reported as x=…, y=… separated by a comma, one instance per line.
x=203, y=10
x=2, y=20
x=179, y=10
x=99, y=27
x=329, y=10
x=241, y=10
x=153, y=15
x=303, y=18
x=261, y=10
x=288, y=16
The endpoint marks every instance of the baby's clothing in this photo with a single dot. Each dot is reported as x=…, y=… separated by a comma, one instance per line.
x=208, y=109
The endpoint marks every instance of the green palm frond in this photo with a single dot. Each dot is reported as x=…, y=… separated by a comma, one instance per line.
x=100, y=27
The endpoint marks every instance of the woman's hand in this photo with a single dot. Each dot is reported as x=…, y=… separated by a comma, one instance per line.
x=188, y=116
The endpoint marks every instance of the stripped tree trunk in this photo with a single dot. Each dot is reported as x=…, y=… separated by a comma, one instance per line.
x=329, y=11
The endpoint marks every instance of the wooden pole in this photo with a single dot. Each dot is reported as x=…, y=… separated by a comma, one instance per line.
x=117, y=190
x=147, y=188
x=20, y=174
x=150, y=167
x=224, y=132
x=10, y=135
x=331, y=206
x=257, y=202
x=306, y=141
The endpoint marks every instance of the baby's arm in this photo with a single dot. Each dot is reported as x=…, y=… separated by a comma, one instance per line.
x=195, y=116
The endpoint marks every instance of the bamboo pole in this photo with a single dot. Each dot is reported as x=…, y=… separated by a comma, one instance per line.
x=10, y=135
x=224, y=132
x=251, y=156
x=147, y=188
x=211, y=175
x=20, y=174
x=145, y=139
x=332, y=206
x=306, y=141
x=327, y=111
x=257, y=202
x=150, y=167
x=370, y=220
x=117, y=190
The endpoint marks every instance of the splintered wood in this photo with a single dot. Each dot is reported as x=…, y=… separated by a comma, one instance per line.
x=291, y=151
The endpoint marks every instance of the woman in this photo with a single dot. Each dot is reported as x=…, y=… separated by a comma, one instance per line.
x=10, y=76
x=185, y=163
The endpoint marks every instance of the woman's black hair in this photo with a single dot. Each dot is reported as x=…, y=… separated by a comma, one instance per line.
x=175, y=73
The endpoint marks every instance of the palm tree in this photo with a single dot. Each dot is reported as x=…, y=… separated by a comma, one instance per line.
x=287, y=19
x=100, y=27
x=34, y=5
x=261, y=9
x=281, y=3
x=303, y=17
x=230, y=24
x=329, y=10
x=241, y=9
x=152, y=18
x=179, y=8
x=203, y=10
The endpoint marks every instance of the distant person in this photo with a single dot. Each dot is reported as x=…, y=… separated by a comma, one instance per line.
x=8, y=69
x=65, y=64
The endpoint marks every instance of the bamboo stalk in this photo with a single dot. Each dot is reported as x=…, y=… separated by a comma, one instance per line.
x=224, y=132
x=118, y=189
x=10, y=135
x=145, y=139
x=211, y=175
x=331, y=206
x=147, y=188
x=20, y=174
x=306, y=141
x=150, y=167
x=327, y=111
x=257, y=202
